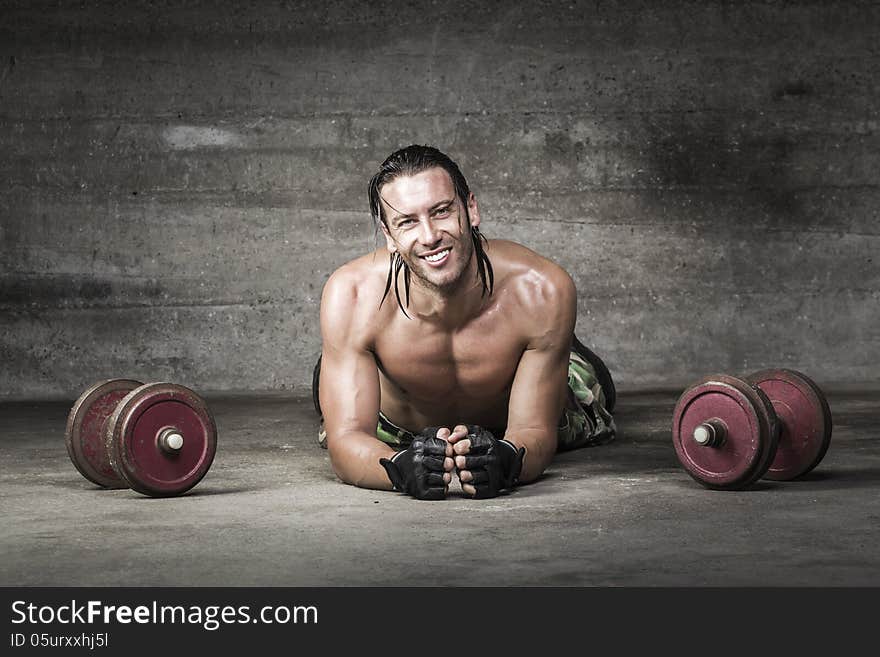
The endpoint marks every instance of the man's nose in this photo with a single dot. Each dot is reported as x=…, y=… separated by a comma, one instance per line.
x=428, y=233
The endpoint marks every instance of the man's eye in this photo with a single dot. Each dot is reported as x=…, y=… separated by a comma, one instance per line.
x=442, y=212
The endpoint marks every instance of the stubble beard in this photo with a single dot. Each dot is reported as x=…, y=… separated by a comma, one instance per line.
x=421, y=272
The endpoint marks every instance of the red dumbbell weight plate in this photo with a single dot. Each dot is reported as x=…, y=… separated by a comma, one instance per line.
x=746, y=433
x=804, y=417
x=162, y=439
x=84, y=436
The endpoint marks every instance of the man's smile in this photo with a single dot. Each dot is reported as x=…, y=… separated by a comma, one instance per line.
x=437, y=258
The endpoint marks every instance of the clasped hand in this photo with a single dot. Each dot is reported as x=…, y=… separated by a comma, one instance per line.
x=485, y=465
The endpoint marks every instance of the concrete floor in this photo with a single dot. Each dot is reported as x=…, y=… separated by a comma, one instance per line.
x=271, y=513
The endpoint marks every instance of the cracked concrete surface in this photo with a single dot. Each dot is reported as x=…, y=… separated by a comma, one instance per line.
x=271, y=513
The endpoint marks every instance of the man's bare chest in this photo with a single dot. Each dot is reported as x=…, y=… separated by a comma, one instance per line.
x=437, y=366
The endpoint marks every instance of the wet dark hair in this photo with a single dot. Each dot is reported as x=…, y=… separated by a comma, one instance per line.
x=410, y=161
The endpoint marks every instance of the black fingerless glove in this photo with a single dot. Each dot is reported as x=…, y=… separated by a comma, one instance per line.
x=495, y=464
x=418, y=470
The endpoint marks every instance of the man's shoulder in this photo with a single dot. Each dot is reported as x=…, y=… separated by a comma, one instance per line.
x=361, y=275
x=520, y=266
x=542, y=294
x=351, y=295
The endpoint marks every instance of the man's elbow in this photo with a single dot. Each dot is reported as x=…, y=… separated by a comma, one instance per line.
x=540, y=450
x=340, y=461
x=356, y=462
x=534, y=467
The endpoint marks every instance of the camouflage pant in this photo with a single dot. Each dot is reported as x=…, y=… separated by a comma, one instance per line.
x=586, y=418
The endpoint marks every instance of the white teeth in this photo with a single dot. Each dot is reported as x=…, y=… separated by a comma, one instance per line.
x=437, y=256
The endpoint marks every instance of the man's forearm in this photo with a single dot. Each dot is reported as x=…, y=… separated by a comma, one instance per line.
x=355, y=456
x=540, y=448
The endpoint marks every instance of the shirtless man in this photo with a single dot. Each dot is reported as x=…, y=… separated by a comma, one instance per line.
x=463, y=348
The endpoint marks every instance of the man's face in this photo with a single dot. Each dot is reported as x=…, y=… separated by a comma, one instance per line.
x=428, y=225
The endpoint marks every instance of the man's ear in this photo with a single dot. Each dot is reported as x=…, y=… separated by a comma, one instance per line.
x=389, y=241
x=473, y=210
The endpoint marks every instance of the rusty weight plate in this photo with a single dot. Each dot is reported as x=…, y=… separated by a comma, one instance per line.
x=162, y=439
x=725, y=432
x=804, y=417
x=86, y=422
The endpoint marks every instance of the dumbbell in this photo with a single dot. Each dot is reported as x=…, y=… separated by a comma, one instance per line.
x=157, y=438
x=728, y=432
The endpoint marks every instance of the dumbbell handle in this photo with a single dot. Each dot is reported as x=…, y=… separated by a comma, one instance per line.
x=171, y=440
x=710, y=433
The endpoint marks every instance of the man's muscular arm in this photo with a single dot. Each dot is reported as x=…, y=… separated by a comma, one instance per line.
x=538, y=392
x=539, y=385
x=349, y=386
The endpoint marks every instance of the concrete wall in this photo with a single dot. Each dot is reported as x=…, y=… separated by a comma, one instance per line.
x=178, y=180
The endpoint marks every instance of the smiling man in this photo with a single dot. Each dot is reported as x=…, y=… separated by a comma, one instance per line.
x=447, y=353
